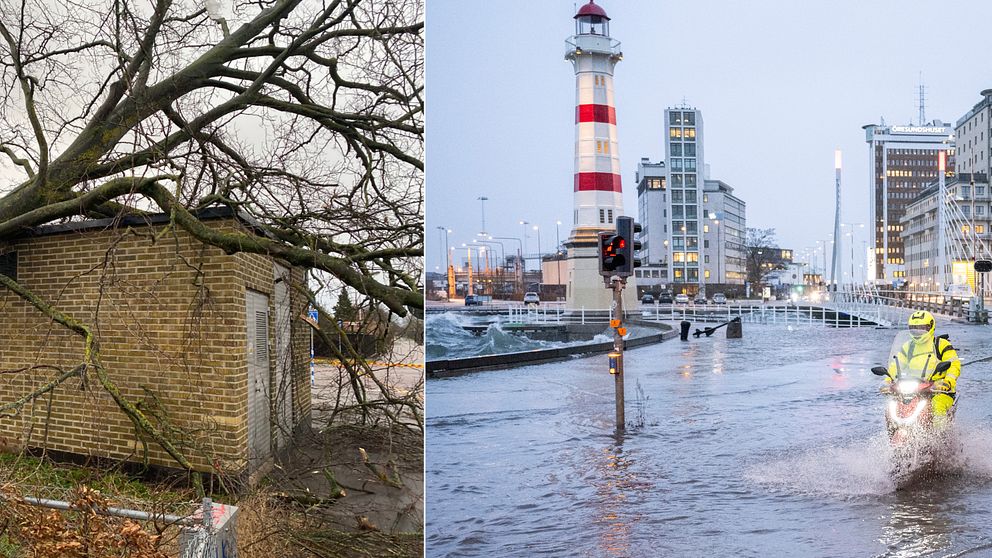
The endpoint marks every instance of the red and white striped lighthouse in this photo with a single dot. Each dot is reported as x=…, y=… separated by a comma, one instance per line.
x=598, y=196
x=594, y=54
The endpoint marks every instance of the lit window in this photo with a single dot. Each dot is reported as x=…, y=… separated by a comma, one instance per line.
x=707, y=274
x=678, y=256
x=980, y=229
x=706, y=228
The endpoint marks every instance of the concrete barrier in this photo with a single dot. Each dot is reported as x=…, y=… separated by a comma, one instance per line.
x=443, y=368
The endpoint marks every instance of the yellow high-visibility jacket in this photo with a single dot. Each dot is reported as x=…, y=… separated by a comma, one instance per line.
x=914, y=355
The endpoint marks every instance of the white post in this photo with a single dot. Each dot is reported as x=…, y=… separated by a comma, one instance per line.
x=941, y=199
x=835, y=261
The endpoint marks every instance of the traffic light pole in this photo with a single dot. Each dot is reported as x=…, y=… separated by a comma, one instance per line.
x=617, y=260
x=616, y=357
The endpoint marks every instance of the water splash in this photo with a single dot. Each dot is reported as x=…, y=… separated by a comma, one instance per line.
x=871, y=467
x=447, y=337
x=858, y=468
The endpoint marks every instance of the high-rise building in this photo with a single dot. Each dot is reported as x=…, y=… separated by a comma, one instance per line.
x=684, y=154
x=902, y=162
x=693, y=228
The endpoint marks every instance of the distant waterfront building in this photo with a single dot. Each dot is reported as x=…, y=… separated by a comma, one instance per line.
x=724, y=231
x=973, y=134
x=652, y=214
x=902, y=162
x=693, y=228
x=967, y=207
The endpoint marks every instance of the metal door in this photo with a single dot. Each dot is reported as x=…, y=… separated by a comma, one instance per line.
x=259, y=432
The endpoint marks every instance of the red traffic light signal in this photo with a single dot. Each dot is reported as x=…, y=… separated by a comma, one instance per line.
x=612, y=249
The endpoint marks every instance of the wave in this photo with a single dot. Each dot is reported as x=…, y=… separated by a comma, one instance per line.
x=447, y=337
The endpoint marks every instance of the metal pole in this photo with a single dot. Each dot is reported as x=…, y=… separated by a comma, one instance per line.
x=941, y=199
x=469, y=251
x=618, y=285
x=558, y=252
x=835, y=263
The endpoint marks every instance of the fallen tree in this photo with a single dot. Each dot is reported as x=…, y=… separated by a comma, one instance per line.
x=305, y=117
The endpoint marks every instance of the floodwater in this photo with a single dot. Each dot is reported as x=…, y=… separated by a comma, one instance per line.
x=770, y=445
x=447, y=338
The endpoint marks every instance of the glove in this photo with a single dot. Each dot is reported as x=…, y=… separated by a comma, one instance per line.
x=942, y=385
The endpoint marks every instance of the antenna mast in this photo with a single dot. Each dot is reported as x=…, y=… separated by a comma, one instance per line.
x=923, y=106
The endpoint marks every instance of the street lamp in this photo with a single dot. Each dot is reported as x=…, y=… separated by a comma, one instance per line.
x=500, y=269
x=524, y=224
x=483, y=199
x=540, y=263
x=558, y=252
x=853, y=230
x=520, y=256
x=214, y=12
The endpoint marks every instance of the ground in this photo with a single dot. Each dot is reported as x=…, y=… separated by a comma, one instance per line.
x=347, y=489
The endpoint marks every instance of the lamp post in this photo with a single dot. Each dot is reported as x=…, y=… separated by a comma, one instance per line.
x=502, y=249
x=483, y=199
x=519, y=257
x=480, y=250
x=215, y=12
x=524, y=224
x=540, y=262
x=558, y=251
x=853, y=227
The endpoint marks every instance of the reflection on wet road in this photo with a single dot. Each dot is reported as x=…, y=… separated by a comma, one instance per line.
x=772, y=445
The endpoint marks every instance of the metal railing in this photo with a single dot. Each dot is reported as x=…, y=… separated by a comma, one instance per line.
x=895, y=306
x=748, y=311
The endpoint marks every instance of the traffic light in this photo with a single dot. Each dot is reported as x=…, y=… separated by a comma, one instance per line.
x=628, y=229
x=611, y=252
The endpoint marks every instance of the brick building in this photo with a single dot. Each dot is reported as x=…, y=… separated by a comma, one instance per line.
x=210, y=346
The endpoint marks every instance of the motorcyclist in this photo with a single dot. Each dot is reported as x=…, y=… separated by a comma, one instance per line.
x=925, y=345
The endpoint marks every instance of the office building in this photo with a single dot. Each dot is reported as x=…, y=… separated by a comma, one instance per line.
x=902, y=162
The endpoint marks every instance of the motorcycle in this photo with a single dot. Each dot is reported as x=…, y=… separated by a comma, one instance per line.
x=914, y=438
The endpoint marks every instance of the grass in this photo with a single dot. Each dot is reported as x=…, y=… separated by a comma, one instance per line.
x=8, y=549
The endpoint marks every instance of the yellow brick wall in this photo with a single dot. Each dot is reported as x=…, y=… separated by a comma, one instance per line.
x=169, y=314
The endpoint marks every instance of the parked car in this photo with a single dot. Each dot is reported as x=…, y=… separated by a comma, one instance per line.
x=681, y=299
x=531, y=298
x=700, y=299
x=665, y=298
x=472, y=300
x=647, y=299
x=719, y=298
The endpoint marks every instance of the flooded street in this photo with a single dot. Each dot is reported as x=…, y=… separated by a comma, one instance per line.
x=771, y=445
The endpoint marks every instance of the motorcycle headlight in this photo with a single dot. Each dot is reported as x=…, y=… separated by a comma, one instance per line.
x=907, y=387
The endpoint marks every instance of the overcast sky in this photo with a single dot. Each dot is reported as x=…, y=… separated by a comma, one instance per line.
x=781, y=85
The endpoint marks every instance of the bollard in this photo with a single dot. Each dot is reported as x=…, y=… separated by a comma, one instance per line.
x=685, y=330
x=735, y=329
